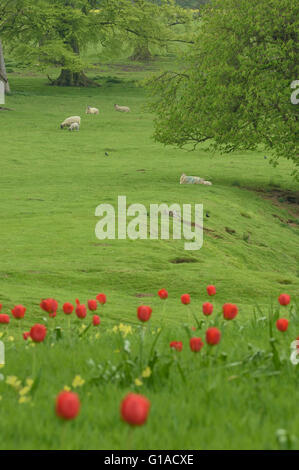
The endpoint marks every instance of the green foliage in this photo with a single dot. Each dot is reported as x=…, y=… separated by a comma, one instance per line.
x=235, y=89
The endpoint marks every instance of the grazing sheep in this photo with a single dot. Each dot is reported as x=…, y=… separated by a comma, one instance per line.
x=122, y=109
x=74, y=127
x=90, y=110
x=67, y=122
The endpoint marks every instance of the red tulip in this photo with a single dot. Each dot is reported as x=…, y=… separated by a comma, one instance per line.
x=92, y=305
x=178, y=345
x=81, y=310
x=230, y=311
x=185, y=299
x=49, y=305
x=53, y=315
x=207, y=308
x=211, y=290
x=163, y=294
x=67, y=405
x=38, y=333
x=282, y=324
x=144, y=313
x=213, y=336
x=18, y=311
x=284, y=299
x=4, y=318
x=68, y=308
x=96, y=320
x=0, y=307
x=101, y=298
x=26, y=335
x=196, y=344
x=134, y=409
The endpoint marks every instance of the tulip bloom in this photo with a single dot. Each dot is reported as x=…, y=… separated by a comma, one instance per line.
x=211, y=290
x=101, y=298
x=26, y=335
x=213, y=336
x=134, y=409
x=38, y=333
x=144, y=313
x=67, y=405
x=282, y=324
x=0, y=307
x=207, y=308
x=284, y=299
x=196, y=344
x=96, y=320
x=178, y=345
x=163, y=294
x=230, y=311
x=185, y=299
x=68, y=308
x=18, y=311
x=4, y=318
x=92, y=305
x=49, y=305
x=81, y=311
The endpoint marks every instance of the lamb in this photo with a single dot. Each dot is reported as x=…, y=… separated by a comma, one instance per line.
x=67, y=122
x=90, y=110
x=74, y=126
x=122, y=109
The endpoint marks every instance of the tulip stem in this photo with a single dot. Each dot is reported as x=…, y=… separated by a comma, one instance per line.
x=34, y=361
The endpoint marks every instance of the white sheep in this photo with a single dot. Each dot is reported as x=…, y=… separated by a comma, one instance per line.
x=67, y=122
x=122, y=109
x=90, y=110
x=74, y=126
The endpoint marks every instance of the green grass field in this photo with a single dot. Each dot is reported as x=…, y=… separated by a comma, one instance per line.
x=51, y=182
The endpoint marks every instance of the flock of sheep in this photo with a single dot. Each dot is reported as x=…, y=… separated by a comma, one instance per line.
x=73, y=122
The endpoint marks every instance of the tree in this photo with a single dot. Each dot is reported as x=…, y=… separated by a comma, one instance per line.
x=234, y=92
x=3, y=75
x=55, y=31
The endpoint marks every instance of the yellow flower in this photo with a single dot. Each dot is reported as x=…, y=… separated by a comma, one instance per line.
x=146, y=373
x=24, y=399
x=10, y=338
x=13, y=381
x=97, y=336
x=2, y=365
x=24, y=391
x=83, y=327
x=67, y=388
x=29, y=382
x=78, y=381
x=138, y=382
x=1, y=334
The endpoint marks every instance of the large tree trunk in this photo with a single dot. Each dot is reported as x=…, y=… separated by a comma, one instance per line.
x=69, y=78
x=3, y=75
x=142, y=53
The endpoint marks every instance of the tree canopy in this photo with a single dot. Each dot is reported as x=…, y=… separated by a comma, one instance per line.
x=234, y=91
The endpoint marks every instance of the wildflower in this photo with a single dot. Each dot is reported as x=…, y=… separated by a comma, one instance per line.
x=163, y=294
x=146, y=373
x=282, y=324
x=134, y=409
x=18, y=311
x=24, y=399
x=196, y=344
x=178, y=345
x=78, y=381
x=67, y=405
x=13, y=381
x=230, y=311
x=11, y=339
x=24, y=390
x=213, y=336
x=207, y=308
x=38, y=333
x=211, y=290
x=284, y=299
x=185, y=299
x=66, y=388
x=144, y=313
x=138, y=382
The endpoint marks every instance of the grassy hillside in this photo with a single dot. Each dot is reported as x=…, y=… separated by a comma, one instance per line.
x=51, y=181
